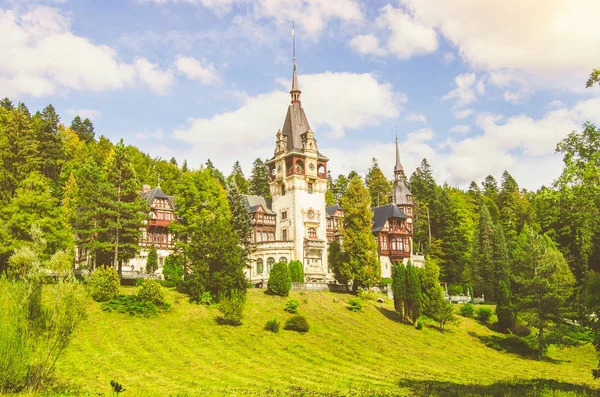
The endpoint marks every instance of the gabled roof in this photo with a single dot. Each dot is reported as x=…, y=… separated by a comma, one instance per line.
x=254, y=202
x=155, y=193
x=382, y=213
x=332, y=209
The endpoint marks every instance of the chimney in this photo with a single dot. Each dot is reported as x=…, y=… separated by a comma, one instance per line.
x=145, y=188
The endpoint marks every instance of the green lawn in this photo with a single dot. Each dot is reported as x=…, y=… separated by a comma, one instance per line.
x=185, y=351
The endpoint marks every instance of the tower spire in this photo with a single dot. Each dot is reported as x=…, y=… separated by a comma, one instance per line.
x=398, y=169
x=295, y=92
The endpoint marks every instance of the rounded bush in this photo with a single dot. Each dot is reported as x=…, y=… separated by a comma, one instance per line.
x=484, y=314
x=297, y=323
x=355, y=304
x=280, y=281
x=296, y=271
x=292, y=306
x=104, y=284
x=466, y=310
x=151, y=291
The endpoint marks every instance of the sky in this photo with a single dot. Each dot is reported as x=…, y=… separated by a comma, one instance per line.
x=476, y=87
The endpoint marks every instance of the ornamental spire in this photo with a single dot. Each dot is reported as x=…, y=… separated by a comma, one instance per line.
x=295, y=92
x=398, y=169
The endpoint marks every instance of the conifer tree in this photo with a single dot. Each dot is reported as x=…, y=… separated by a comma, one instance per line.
x=379, y=187
x=432, y=293
x=490, y=188
x=127, y=212
x=399, y=289
x=184, y=166
x=152, y=260
x=423, y=187
x=241, y=220
x=413, y=293
x=50, y=145
x=84, y=129
x=215, y=172
x=504, y=307
x=359, y=245
x=338, y=263
x=339, y=187
x=297, y=271
x=259, y=179
x=482, y=266
x=237, y=175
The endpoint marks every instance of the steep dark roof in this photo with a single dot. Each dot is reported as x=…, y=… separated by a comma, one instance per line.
x=331, y=210
x=157, y=192
x=382, y=213
x=400, y=193
x=294, y=126
x=253, y=202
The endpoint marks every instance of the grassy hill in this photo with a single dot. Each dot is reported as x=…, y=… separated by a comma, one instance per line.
x=186, y=352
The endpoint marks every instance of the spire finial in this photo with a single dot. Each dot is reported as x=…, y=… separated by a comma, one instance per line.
x=295, y=92
x=398, y=169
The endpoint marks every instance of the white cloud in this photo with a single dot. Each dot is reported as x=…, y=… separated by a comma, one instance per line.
x=548, y=42
x=91, y=114
x=334, y=103
x=417, y=117
x=196, y=70
x=40, y=56
x=158, y=80
x=448, y=58
x=367, y=44
x=463, y=114
x=464, y=93
x=556, y=104
x=460, y=129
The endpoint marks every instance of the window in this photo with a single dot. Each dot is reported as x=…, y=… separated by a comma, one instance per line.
x=271, y=236
x=264, y=236
x=284, y=215
x=312, y=233
x=282, y=189
x=383, y=243
x=393, y=244
x=161, y=215
x=161, y=261
x=283, y=259
x=259, y=266
x=310, y=188
x=270, y=263
x=164, y=238
x=284, y=236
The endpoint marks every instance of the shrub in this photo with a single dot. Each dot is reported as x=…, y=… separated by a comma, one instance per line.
x=355, y=304
x=272, y=325
x=292, y=306
x=297, y=323
x=466, y=310
x=173, y=269
x=484, y=314
x=296, y=271
x=232, y=308
x=521, y=329
x=104, y=284
x=151, y=291
x=280, y=281
x=152, y=261
x=419, y=325
x=386, y=281
x=134, y=306
x=367, y=295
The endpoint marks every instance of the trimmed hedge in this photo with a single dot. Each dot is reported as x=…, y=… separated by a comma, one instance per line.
x=104, y=284
x=280, y=281
x=297, y=323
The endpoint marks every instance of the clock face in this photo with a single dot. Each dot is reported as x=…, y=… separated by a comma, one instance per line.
x=310, y=214
x=279, y=168
x=311, y=166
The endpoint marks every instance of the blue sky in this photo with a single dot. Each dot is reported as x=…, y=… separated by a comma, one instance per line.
x=475, y=87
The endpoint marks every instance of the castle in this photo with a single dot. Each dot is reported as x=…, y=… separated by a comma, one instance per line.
x=295, y=223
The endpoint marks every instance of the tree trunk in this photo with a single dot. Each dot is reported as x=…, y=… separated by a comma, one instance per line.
x=429, y=226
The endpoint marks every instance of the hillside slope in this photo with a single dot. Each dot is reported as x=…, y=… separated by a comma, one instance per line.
x=185, y=351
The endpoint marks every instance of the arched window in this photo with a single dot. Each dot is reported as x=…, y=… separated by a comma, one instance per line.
x=299, y=167
x=259, y=266
x=283, y=259
x=321, y=169
x=312, y=233
x=270, y=263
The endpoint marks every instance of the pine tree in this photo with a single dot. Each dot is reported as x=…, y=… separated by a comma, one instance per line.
x=126, y=214
x=152, y=261
x=339, y=187
x=297, y=271
x=241, y=221
x=432, y=293
x=215, y=172
x=490, y=188
x=508, y=203
x=504, y=308
x=184, y=166
x=359, y=245
x=237, y=175
x=481, y=268
x=413, y=293
x=379, y=187
x=50, y=145
x=259, y=179
x=423, y=187
x=399, y=289
x=84, y=129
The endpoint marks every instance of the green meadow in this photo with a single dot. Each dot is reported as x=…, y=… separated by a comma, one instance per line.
x=185, y=352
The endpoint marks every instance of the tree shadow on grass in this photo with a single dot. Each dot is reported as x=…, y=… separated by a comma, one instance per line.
x=514, y=345
x=514, y=388
x=390, y=314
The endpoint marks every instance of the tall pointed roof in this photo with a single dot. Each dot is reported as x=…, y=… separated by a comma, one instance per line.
x=398, y=167
x=295, y=91
x=401, y=195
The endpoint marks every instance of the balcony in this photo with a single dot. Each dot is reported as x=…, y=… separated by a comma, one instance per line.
x=295, y=171
x=158, y=222
x=322, y=175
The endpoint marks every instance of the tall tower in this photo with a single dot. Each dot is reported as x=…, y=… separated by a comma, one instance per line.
x=401, y=196
x=298, y=181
